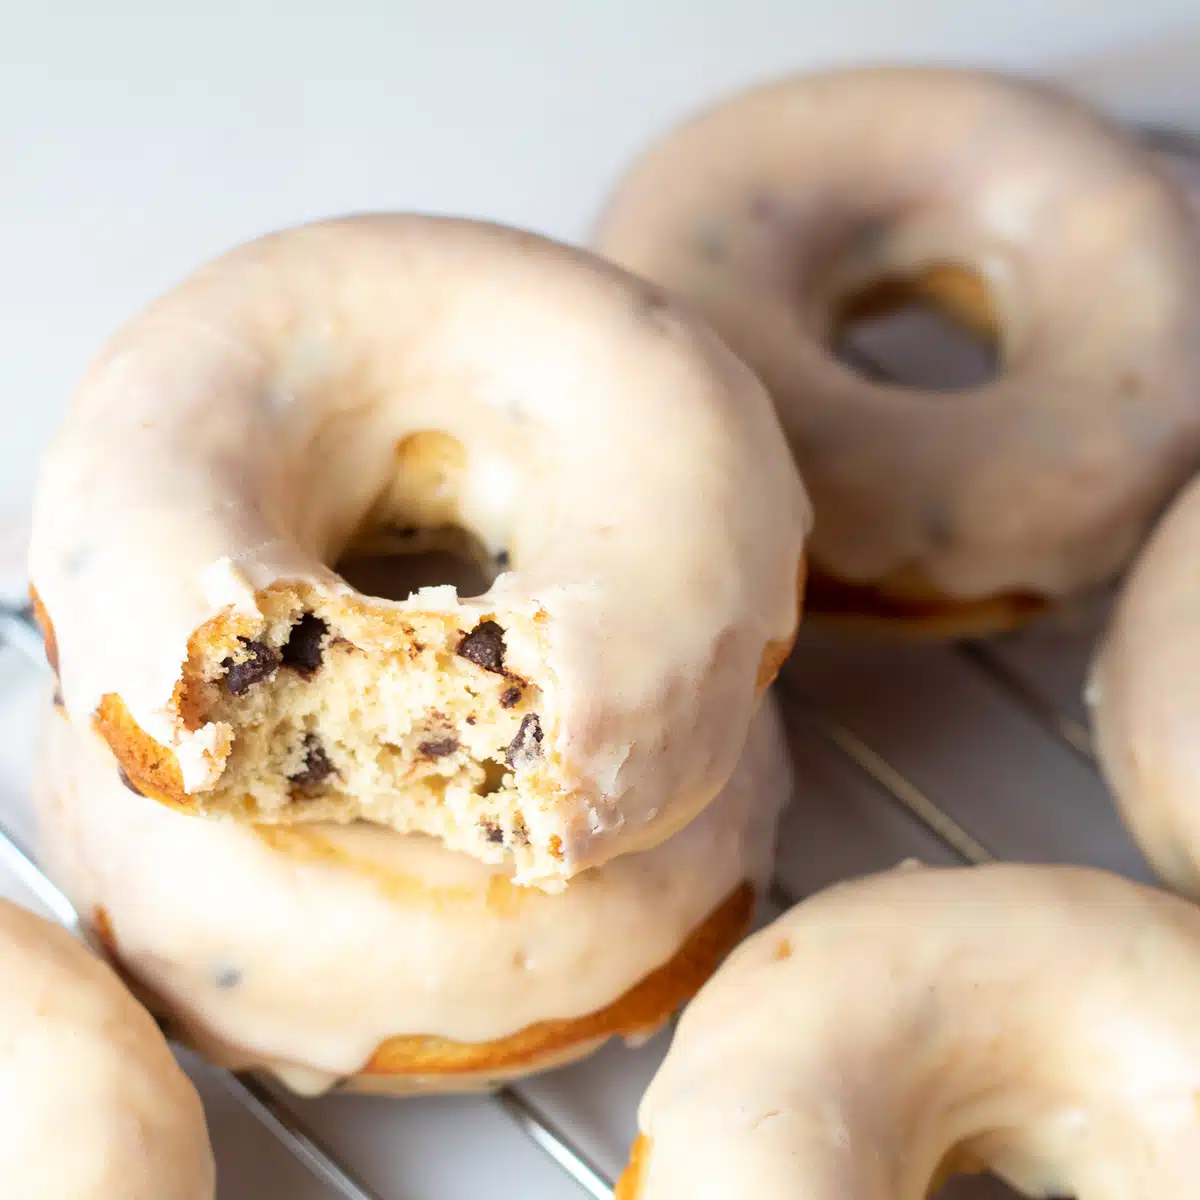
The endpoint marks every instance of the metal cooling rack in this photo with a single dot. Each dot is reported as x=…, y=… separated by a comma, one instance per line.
x=852, y=714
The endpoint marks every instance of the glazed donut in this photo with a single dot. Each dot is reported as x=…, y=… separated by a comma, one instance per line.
x=791, y=209
x=351, y=954
x=400, y=374
x=1040, y=1022
x=92, y=1104
x=1144, y=696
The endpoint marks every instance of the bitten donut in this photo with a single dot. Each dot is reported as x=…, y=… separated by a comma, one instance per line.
x=353, y=954
x=412, y=376
x=92, y=1104
x=791, y=210
x=1144, y=695
x=1040, y=1022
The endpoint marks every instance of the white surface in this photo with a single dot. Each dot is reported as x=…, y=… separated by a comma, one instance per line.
x=137, y=138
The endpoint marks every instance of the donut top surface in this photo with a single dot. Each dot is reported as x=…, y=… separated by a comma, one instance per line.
x=1040, y=1021
x=785, y=210
x=398, y=375
x=405, y=937
x=92, y=1104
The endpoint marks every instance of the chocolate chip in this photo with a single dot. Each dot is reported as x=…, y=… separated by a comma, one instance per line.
x=509, y=697
x=764, y=207
x=501, y=560
x=492, y=832
x=260, y=664
x=471, y=719
x=711, y=241
x=484, y=646
x=303, y=651
x=124, y=778
x=438, y=748
x=226, y=977
x=939, y=524
x=317, y=767
x=653, y=308
x=526, y=747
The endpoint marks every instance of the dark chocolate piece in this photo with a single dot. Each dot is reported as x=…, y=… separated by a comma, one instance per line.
x=260, y=664
x=509, y=697
x=226, y=977
x=317, y=767
x=492, y=831
x=484, y=646
x=438, y=748
x=526, y=747
x=304, y=650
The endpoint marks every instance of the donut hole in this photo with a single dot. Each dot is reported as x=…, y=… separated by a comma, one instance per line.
x=413, y=536
x=935, y=330
x=396, y=560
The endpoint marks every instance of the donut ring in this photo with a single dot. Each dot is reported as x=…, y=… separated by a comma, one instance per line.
x=334, y=954
x=398, y=375
x=1040, y=1022
x=791, y=208
x=1144, y=700
x=92, y=1104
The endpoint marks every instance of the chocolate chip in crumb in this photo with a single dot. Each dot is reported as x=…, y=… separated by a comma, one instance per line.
x=471, y=719
x=492, y=832
x=501, y=560
x=317, y=767
x=260, y=663
x=438, y=748
x=484, y=646
x=304, y=650
x=509, y=697
x=526, y=747
x=124, y=778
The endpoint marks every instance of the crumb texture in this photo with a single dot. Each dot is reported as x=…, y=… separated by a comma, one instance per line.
x=421, y=725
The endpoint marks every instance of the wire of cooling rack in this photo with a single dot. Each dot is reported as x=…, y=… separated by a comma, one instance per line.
x=1065, y=728
x=266, y=1107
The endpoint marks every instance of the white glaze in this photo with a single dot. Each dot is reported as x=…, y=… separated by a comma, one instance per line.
x=1144, y=695
x=236, y=434
x=1045, y=1020
x=333, y=960
x=772, y=207
x=92, y=1105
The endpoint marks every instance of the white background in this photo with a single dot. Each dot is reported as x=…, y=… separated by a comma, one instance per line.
x=138, y=137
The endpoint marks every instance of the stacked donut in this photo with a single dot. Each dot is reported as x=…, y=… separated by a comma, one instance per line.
x=435, y=841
